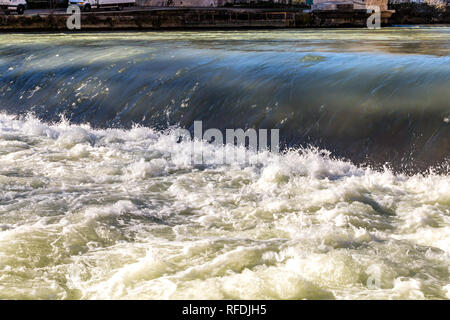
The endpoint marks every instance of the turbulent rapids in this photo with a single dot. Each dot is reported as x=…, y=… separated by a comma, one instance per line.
x=99, y=199
x=371, y=98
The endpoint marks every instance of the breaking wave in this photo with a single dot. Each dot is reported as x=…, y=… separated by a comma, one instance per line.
x=372, y=98
x=123, y=213
x=107, y=202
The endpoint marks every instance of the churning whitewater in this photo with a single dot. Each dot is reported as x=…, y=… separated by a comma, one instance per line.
x=100, y=199
x=110, y=213
x=371, y=97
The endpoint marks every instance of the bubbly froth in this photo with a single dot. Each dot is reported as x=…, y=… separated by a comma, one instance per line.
x=88, y=213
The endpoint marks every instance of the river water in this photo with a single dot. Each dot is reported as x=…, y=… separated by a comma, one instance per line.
x=99, y=198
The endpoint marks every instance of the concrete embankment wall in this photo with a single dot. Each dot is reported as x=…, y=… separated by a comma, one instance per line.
x=197, y=18
x=420, y=13
x=186, y=19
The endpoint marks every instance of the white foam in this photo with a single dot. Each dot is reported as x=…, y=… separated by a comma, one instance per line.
x=115, y=213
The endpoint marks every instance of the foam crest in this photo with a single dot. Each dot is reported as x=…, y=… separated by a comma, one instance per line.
x=88, y=213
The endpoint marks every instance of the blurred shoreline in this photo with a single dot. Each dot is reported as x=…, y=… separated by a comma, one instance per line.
x=172, y=18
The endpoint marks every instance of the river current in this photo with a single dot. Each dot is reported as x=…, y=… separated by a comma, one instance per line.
x=99, y=199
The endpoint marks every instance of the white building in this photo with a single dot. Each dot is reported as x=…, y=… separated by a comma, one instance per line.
x=406, y=1
x=345, y=4
x=436, y=3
